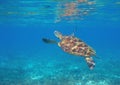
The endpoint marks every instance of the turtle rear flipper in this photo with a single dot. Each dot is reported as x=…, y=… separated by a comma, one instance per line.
x=90, y=62
x=49, y=41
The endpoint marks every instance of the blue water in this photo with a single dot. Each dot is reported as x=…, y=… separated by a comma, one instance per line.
x=26, y=60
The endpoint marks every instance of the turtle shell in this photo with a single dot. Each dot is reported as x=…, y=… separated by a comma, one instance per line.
x=74, y=45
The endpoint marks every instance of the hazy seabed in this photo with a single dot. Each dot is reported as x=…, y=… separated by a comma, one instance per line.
x=58, y=70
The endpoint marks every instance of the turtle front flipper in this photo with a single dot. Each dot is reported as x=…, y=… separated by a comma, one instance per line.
x=90, y=62
x=49, y=41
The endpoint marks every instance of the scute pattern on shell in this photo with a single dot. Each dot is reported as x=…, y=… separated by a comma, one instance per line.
x=75, y=46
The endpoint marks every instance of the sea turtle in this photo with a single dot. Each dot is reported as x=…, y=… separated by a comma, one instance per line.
x=75, y=46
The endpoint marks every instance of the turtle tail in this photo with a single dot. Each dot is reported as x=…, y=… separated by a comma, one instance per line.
x=49, y=41
x=90, y=62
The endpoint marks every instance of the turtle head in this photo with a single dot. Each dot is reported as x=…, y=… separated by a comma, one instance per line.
x=58, y=34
